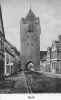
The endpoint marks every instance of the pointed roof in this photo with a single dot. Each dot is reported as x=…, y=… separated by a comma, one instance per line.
x=30, y=15
x=1, y=22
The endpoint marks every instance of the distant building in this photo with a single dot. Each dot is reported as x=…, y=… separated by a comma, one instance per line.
x=43, y=58
x=56, y=56
x=48, y=61
x=43, y=55
x=30, y=39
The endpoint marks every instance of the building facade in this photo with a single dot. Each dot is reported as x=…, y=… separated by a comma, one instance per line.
x=12, y=59
x=9, y=55
x=48, y=60
x=30, y=38
x=43, y=59
x=2, y=37
x=54, y=57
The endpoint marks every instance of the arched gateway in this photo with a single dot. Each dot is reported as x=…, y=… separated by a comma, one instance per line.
x=29, y=66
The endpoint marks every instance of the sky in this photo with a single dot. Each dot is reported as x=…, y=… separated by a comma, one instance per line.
x=49, y=12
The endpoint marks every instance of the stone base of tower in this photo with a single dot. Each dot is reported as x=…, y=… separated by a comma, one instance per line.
x=25, y=61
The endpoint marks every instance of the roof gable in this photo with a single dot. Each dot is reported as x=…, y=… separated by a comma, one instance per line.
x=30, y=16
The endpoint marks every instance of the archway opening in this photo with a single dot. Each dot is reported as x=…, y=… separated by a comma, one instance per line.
x=29, y=66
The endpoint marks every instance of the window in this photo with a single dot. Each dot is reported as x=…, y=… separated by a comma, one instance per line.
x=37, y=21
x=0, y=43
x=7, y=58
x=30, y=28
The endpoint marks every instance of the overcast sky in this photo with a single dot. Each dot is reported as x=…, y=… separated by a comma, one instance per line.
x=49, y=12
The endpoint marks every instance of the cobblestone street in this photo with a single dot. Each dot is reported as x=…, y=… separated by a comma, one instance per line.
x=14, y=84
x=43, y=83
x=30, y=82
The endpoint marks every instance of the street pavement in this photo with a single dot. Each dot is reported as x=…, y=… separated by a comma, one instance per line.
x=30, y=82
x=14, y=84
x=42, y=83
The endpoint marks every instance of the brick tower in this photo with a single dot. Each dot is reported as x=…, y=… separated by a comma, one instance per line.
x=30, y=38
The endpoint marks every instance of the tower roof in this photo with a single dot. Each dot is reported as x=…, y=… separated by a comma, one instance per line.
x=30, y=15
x=1, y=22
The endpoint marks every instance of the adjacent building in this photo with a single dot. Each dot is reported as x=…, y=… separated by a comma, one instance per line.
x=43, y=59
x=9, y=55
x=48, y=60
x=12, y=59
x=54, y=57
x=2, y=37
